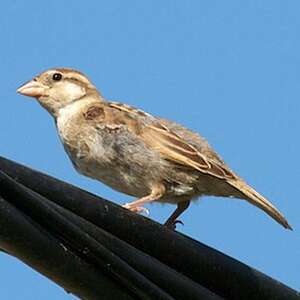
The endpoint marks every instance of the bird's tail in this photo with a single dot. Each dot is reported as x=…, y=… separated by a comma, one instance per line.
x=258, y=200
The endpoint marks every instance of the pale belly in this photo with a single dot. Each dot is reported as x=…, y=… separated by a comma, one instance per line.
x=113, y=176
x=127, y=178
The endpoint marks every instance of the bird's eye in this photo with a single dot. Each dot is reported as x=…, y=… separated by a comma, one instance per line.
x=57, y=76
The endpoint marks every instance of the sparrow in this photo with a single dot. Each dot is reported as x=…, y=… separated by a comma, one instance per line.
x=133, y=152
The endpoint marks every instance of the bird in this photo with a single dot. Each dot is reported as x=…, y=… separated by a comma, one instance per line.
x=147, y=157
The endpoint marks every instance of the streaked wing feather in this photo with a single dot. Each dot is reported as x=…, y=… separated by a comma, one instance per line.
x=174, y=148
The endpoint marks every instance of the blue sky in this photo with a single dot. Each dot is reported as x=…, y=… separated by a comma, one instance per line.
x=227, y=69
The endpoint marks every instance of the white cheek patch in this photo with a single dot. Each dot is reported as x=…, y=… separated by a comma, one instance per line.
x=73, y=91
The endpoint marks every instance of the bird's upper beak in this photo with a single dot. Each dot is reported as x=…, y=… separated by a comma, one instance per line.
x=32, y=88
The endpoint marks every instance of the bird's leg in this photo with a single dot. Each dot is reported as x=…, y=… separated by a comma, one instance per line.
x=137, y=205
x=172, y=221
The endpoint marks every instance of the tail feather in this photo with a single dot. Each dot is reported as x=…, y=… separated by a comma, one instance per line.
x=258, y=200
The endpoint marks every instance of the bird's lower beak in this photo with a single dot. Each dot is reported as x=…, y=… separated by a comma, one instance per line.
x=32, y=88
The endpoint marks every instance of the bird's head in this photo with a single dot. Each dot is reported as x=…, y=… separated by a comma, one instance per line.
x=56, y=88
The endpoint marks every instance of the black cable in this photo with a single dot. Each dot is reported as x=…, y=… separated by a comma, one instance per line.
x=177, y=285
x=80, y=242
x=201, y=264
x=22, y=238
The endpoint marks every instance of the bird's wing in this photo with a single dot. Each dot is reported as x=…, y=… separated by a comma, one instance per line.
x=172, y=147
x=158, y=135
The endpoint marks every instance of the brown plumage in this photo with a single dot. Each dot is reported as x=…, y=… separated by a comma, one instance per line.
x=132, y=151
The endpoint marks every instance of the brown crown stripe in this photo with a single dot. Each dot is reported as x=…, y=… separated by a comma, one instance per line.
x=73, y=74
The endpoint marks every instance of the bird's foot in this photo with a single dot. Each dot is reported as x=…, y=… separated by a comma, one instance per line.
x=136, y=209
x=172, y=224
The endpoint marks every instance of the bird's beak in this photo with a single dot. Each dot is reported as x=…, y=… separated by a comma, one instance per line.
x=32, y=88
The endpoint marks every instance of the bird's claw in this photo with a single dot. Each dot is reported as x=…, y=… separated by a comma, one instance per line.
x=172, y=224
x=137, y=209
